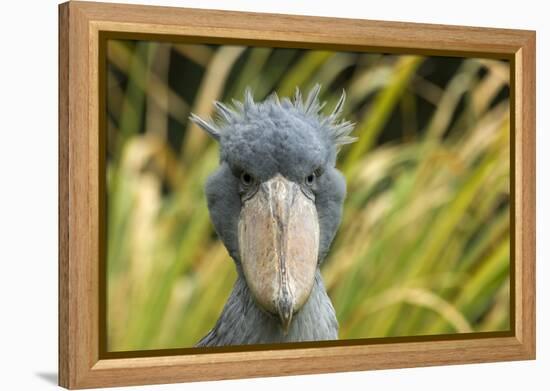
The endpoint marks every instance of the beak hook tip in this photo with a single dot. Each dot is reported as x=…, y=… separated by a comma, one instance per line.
x=285, y=315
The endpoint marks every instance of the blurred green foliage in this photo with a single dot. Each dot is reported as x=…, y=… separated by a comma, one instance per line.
x=424, y=243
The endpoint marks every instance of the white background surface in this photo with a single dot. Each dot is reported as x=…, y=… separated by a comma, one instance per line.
x=28, y=203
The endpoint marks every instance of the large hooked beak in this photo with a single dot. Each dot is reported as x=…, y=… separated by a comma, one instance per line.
x=279, y=244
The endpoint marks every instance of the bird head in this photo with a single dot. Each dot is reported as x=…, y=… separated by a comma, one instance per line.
x=276, y=198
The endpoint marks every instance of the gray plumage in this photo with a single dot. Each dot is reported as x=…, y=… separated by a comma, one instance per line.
x=243, y=323
x=292, y=138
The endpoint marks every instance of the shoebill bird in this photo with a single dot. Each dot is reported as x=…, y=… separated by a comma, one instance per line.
x=276, y=202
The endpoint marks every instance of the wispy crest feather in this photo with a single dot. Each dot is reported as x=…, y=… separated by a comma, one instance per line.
x=338, y=129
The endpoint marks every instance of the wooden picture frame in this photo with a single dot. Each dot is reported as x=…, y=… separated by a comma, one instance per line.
x=81, y=25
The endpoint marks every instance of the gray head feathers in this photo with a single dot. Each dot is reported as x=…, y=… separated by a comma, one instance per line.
x=331, y=126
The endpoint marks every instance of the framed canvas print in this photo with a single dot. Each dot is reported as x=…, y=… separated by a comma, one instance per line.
x=251, y=195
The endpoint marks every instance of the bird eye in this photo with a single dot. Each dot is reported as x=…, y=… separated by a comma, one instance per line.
x=310, y=179
x=246, y=178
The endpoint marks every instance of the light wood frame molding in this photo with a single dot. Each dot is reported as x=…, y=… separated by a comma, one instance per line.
x=80, y=24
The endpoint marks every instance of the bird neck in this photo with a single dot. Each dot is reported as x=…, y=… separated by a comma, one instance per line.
x=242, y=322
